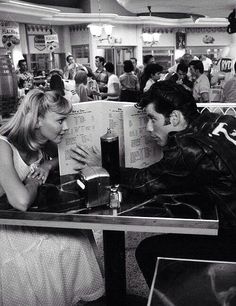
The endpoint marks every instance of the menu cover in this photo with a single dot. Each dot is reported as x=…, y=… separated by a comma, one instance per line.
x=88, y=121
x=185, y=282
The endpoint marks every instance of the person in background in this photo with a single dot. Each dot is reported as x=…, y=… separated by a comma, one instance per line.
x=198, y=165
x=201, y=86
x=40, y=266
x=147, y=59
x=71, y=68
x=24, y=78
x=55, y=71
x=129, y=83
x=92, y=85
x=180, y=77
x=81, y=86
x=137, y=71
x=100, y=73
x=229, y=89
x=57, y=84
x=113, y=85
x=185, y=59
x=153, y=74
x=207, y=65
x=22, y=88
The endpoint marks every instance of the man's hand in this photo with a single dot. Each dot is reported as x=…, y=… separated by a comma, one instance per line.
x=86, y=156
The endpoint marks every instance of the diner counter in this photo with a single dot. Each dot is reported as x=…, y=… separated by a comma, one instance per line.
x=135, y=214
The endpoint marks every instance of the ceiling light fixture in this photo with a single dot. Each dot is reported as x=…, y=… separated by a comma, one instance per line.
x=97, y=29
x=149, y=37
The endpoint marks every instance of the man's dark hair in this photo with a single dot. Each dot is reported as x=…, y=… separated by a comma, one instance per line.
x=134, y=58
x=182, y=67
x=20, y=62
x=109, y=67
x=101, y=59
x=67, y=58
x=146, y=58
x=235, y=66
x=128, y=66
x=90, y=73
x=151, y=69
x=57, y=84
x=197, y=65
x=167, y=97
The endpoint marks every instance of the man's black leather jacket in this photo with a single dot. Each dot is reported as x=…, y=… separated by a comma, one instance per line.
x=201, y=159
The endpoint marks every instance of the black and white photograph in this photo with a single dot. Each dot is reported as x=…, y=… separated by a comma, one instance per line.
x=117, y=147
x=183, y=282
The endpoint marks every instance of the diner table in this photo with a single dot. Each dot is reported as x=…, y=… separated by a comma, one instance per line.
x=135, y=214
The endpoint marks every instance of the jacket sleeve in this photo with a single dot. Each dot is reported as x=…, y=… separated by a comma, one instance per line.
x=168, y=175
x=186, y=167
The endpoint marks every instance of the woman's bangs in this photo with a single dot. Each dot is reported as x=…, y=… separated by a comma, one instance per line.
x=64, y=106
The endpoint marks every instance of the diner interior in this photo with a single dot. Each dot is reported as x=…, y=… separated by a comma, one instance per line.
x=47, y=32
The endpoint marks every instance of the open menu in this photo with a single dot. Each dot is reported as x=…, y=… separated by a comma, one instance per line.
x=88, y=121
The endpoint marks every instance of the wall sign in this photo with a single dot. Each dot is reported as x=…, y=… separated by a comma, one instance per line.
x=51, y=42
x=225, y=64
x=39, y=42
x=208, y=39
x=10, y=34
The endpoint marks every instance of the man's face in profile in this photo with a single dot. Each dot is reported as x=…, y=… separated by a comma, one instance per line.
x=134, y=63
x=98, y=64
x=181, y=74
x=157, y=126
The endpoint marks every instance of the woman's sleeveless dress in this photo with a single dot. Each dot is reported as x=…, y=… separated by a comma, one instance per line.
x=45, y=266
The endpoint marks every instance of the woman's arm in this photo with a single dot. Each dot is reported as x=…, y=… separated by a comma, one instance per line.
x=114, y=93
x=42, y=171
x=19, y=195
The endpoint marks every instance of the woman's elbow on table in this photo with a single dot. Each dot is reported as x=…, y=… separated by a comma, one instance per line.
x=21, y=202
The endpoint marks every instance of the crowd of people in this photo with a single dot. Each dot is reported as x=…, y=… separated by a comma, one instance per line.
x=198, y=160
x=104, y=84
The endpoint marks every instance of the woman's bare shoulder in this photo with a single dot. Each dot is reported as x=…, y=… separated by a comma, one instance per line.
x=5, y=148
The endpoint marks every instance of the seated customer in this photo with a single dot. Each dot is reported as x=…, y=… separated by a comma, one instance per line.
x=39, y=266
x=199, y=159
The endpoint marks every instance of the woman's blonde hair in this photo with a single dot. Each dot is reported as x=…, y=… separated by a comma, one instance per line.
x=21, y=129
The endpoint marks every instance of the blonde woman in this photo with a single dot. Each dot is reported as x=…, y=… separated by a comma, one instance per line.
x=39, y=266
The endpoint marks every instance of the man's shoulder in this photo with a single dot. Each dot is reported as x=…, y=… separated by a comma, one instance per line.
x=100, y=70
x=203, y=78
x=122, y=76
x=209, y=124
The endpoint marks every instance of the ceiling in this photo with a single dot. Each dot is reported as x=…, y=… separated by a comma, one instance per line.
x=210, y=8
x=164, y=12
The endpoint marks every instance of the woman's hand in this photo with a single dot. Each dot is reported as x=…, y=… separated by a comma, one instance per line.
x=41, y=172
x=85, y=156
x=33, y=180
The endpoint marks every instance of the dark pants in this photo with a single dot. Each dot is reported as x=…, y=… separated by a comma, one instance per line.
x=218, y=248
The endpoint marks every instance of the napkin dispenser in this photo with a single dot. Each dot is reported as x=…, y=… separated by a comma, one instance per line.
x=94, y=182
